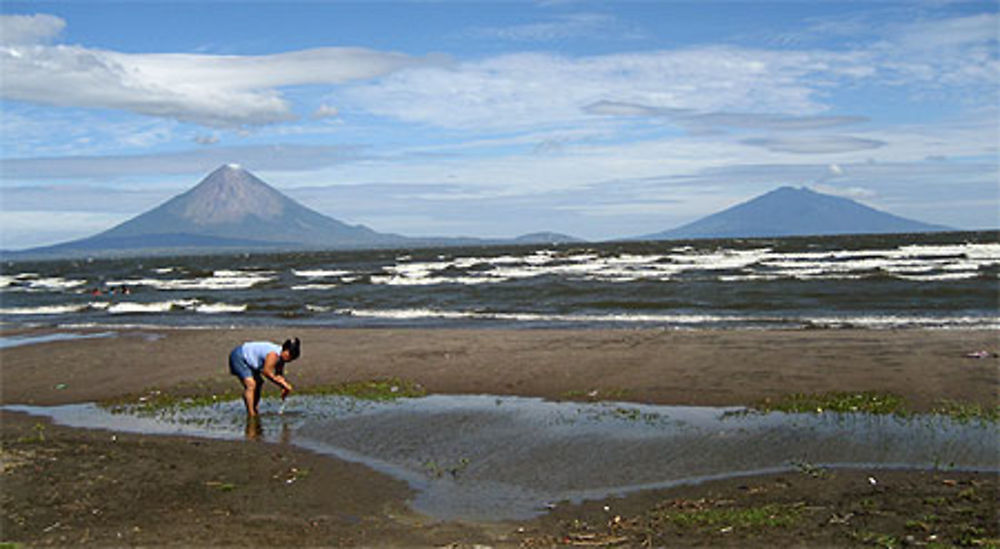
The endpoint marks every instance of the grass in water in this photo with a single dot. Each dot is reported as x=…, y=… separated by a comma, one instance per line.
x=868, y=402
x=378, y=390
x=595, y=395
x=154, y=400
x=871, y=402
x=965, y=412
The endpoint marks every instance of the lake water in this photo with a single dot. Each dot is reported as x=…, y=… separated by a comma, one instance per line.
x=937, y=280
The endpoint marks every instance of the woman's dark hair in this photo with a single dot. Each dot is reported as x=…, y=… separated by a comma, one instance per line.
x=293, y=346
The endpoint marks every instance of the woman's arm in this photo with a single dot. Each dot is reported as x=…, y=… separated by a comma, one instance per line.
x=270, y=371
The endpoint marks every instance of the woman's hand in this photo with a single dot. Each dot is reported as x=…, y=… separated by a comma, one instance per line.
x=286, y=390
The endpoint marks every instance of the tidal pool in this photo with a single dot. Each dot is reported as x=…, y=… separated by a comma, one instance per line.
x=482, y=457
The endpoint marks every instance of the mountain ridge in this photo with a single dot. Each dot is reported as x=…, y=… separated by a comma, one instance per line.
x=232, y=210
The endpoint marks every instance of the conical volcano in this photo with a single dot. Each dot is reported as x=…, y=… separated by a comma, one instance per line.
x=231, y=207
x=788, y=211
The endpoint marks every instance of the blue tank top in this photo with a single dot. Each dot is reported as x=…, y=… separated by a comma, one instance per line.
x=255, y=353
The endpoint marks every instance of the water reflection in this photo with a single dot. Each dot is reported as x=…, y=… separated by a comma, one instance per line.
x=254, y=429
x=487, y=457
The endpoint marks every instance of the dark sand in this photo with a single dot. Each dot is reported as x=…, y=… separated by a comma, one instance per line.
x=66, y=486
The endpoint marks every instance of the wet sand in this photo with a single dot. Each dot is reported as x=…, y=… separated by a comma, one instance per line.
x=711, y=368
x=174, y=490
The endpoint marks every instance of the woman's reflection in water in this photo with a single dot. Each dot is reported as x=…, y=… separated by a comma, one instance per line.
x=255, y=430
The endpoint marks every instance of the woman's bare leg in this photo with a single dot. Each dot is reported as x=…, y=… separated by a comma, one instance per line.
x=258, y=386
x=251, y=393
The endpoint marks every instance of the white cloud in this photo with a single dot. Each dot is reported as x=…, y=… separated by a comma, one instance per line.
x=815, y=144
x=326, y=111
x=722, y=86
x=29, y=29
x=854, y=193
x=195, y=162
x=206, y=139
x=948, y=33
x=35, y=132
x=705, y=87
x=533, y=89
x=701, y=122
x=958, y=53
x=211, y=90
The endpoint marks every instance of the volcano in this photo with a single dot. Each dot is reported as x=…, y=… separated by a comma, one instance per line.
x=789, y=211
x=232, y=208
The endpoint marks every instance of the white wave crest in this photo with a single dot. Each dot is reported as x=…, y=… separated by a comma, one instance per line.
x=314, y=287
x=320, y=273
x=131, y=307
x=217, y=308
x=220, y=280
x=917, y=263
x=43, y=310
x=691, y=320
x=30, y=283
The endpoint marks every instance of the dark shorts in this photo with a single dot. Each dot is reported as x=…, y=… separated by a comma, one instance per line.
x=239, y=368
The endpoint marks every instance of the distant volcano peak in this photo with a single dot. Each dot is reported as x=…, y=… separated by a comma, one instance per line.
x=795, y=211
x=233, y=204
x=229, y=194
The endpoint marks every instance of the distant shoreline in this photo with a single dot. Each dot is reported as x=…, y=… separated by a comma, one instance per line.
x=52, y=252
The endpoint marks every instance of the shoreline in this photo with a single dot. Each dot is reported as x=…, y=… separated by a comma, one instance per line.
x=653, y=366
x=84, y=486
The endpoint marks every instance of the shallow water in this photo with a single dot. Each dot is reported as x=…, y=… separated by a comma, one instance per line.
x=485, y=457
x=7, y=342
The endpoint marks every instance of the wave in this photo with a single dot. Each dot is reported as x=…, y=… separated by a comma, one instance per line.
x=916, y=263
x=127, y=307
x=692, y=320
x=304, y=287
x=320, y=273
x=218, y=308
x=30, y=282
x=42, y=310
x=182, y=304
x=130, y=307
x=220, y=280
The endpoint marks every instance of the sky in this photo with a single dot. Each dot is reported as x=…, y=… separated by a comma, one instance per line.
x=494, y=119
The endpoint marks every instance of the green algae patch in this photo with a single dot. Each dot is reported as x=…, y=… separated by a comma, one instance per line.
x=376, y=390
x=155, y=401
x=872, y=402
x=772, y=515
x=867, y=402
x=595, y=395
x=965, y=412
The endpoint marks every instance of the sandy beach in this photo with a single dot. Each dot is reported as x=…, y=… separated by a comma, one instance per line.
x=71, y=486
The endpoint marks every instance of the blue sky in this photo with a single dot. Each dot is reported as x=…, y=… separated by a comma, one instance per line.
x=494, y=119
